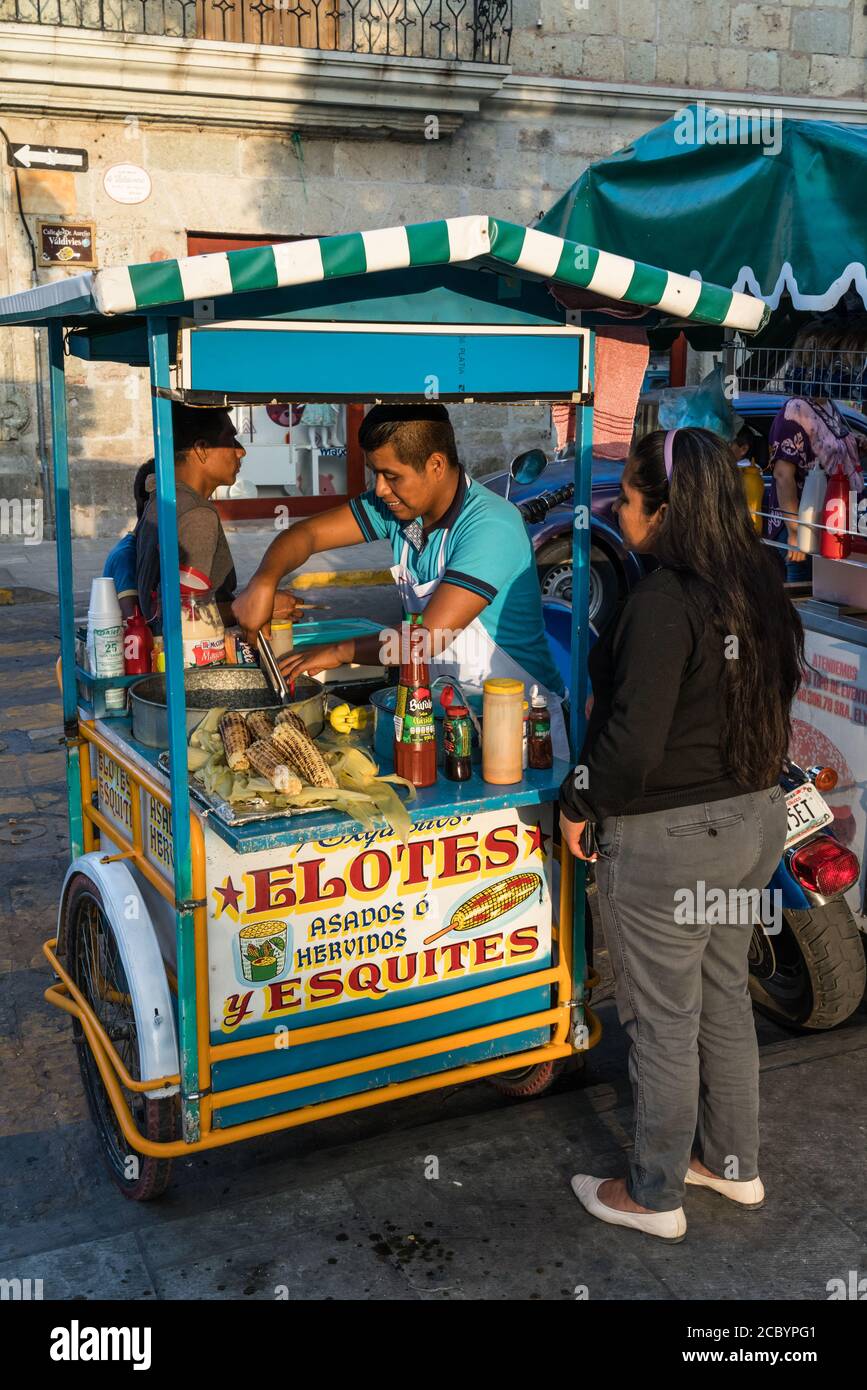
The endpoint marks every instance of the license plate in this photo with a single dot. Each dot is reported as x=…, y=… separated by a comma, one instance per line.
x=807, y=812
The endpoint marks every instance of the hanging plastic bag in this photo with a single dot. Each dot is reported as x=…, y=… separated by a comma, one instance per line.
x=700, y=407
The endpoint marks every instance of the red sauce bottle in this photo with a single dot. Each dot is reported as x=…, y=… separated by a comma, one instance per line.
x=415, y=749
x=137, y=643
x=836, y=542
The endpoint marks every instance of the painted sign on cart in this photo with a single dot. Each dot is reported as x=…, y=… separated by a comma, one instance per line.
x=114, y=791
x=829, y=729
x=359, y=917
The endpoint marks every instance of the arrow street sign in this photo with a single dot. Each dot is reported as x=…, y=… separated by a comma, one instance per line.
x=47, y=157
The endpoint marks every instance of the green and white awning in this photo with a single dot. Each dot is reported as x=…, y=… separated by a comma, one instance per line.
x=478, y=241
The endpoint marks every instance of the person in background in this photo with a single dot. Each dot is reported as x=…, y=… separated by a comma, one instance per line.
x=745, y=445
x=807, y=432
x=120, y=563
x=207, y=456
x=693, y=678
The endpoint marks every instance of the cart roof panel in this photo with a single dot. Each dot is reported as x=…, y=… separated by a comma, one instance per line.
x=483, y=243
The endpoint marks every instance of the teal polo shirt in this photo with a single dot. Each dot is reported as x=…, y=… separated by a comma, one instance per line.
x=488, y=552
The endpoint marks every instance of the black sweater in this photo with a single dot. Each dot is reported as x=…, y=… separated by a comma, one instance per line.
x=655, y=731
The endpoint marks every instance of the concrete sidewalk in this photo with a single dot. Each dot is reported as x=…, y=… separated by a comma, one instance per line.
x=35, y=566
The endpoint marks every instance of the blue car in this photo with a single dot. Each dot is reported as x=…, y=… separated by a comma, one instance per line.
x=613, y=568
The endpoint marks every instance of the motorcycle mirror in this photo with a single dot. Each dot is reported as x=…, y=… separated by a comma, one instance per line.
x=526, y=467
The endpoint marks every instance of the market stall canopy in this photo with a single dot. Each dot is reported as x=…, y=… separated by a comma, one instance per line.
x=479, y=243
x=754, y=202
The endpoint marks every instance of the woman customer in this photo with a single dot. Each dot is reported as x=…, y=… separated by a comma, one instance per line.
x=693, y=681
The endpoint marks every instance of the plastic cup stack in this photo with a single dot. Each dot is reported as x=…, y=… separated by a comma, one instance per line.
x=105, y=639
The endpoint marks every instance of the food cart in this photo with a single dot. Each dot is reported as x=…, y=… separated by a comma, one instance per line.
x=227, y=981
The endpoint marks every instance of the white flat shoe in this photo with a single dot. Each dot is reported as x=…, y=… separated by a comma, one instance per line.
x=668, y=1225
x=747, y=1194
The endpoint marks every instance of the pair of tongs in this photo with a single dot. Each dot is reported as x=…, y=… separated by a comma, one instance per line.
x=274, y=676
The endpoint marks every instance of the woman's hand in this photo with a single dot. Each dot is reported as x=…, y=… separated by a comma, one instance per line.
x=793, y=554
x=286, y=606
x=321, y=658
x=253, y=607
x=571, y=832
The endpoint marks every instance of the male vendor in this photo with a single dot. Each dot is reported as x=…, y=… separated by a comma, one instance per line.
x=461, y=556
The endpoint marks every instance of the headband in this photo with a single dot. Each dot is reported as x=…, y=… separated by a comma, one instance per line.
x=668, y=452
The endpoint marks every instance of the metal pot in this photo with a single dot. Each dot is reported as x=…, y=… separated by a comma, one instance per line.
x=217, y=687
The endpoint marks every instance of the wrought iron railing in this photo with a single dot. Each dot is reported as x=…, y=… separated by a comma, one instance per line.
x=455, y=30
x=840, y=374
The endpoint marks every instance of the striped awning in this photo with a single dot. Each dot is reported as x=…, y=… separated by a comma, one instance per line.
x=477, y=240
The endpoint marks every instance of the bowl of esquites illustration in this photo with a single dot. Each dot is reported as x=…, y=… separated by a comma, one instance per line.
x=263, y=950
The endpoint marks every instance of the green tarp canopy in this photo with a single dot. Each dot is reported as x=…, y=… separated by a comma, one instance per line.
x=754, y=202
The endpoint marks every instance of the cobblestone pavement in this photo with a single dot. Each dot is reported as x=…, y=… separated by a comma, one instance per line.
x=349, y=1208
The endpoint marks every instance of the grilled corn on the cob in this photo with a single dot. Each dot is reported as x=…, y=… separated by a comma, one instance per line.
x=493, y=901
x=260, y=724
x=288, y=716
x=269, y=762
x=301, y=753
x=236, y=740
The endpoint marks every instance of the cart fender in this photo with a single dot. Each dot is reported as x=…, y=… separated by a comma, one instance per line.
x=142, y=962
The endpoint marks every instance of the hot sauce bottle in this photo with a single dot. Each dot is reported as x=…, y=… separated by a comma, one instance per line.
x=457, y=743
x=415, y=749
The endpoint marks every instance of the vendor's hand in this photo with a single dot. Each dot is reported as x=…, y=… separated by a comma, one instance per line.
x=794, y=555
x=253, y=607
x=286, y=606
x=571, y=832
x=319, y=658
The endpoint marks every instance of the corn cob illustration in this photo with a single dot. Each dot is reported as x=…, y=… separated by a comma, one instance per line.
x=491, y=902
x=260, y=724
x=301, y=753
x=269, y=762
x=288, y=716
x=236, y=739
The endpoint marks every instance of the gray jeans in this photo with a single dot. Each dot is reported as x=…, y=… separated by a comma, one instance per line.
x=679, y=953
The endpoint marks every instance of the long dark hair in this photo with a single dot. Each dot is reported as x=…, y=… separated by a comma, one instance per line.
x=707, y=536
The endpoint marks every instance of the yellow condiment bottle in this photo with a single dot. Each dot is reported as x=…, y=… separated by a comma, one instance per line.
x=502, y=730
x=754, y=490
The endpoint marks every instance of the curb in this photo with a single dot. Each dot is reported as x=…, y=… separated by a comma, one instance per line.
x=345, y=579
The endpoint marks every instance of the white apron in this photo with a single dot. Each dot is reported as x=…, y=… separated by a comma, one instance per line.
x=474, y=656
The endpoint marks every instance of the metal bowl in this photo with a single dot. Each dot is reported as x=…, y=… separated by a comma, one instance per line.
x=217, y=687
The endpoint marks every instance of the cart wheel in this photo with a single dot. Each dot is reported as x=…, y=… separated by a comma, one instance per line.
x=529, y=1081
x=96, y=967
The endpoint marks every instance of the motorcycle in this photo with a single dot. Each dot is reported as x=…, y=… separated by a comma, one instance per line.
x=810, y=974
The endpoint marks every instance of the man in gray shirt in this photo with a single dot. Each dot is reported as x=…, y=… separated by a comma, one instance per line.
x=207, y=456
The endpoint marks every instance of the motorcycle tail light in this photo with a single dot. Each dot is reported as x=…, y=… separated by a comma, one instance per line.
x=825, y=780
x=825, y=867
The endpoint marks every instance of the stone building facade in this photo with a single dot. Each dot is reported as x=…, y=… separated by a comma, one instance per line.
x=244, y=139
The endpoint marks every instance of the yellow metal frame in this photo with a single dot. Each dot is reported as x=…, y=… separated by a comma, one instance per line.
x=65, y=995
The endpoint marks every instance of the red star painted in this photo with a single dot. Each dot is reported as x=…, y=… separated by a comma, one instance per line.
x=537, y=841
x=231, y=896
